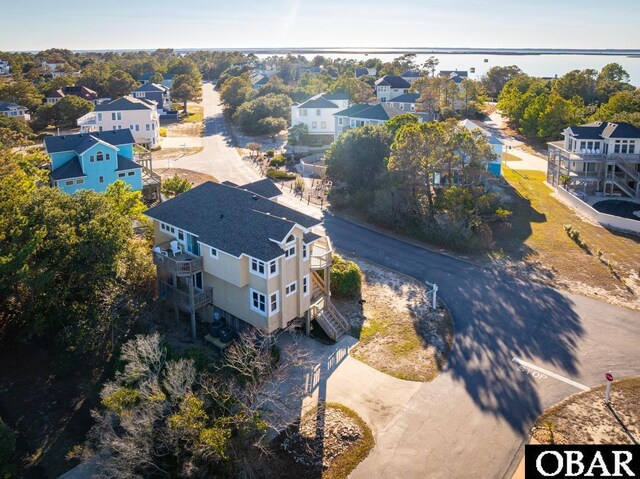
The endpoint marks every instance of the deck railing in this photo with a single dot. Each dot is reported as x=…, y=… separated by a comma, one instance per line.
x=321, y=254
x=181, y=264
x=182, y=299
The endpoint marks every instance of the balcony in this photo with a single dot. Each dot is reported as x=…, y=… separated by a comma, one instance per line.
x=321, y=252
x=182, y=299
x=557, y=147
x=181, y=264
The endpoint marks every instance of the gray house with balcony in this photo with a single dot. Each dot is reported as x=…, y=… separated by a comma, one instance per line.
x=599, y=158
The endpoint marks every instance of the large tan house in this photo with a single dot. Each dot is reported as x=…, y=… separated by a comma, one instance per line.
x=239, y=253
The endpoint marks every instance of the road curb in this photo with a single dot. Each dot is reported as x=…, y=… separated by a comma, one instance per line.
x=404, y=240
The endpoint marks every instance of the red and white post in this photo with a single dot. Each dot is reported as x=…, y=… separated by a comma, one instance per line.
x=609, y=377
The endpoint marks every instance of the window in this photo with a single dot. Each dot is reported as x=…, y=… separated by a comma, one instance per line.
x=131, y=127
x=99, y=116
x=583, y=145
x=137, y=127
x=181, y=235
x=119, y=127
x=290, y=252
x=101, y=179
x=323, y=124
x=99, y=128
x=273, y=303
x=99, y=156
x=131, y=173
x=589, y=145
x=318, y=113
x=79, y=181
x=213, y=252
x=305, y=252
x=616, y=148
x=148, y=127
x=258, y=302
x=273, y=268
x=401, y=106
x=257, y=267
x=116, y=116
x=632, y=148
x=303, y=112
x=340, y=121
x=92, y=158
x=153, y=126
x=305, y=285
x=121, y=175
x=69, y=182
x=291, y=288
x=314, y=124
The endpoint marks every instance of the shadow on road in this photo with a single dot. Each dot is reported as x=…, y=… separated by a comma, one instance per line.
x=496, y=317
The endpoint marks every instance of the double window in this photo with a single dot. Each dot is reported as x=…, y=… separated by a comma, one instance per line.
x=258, y=302
x=291, y=288
x=305, y=252
x=290, y=247
x=116, y=116
x=257, y=267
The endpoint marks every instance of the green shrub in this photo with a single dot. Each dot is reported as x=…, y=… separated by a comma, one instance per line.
x=279, y=174
x=278, y=161
x=269, y=153
x=346, y=279
x=174, y=186
x=7, y=442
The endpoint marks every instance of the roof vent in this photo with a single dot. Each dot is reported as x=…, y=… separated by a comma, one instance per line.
x=221, y=215
x=255, y=197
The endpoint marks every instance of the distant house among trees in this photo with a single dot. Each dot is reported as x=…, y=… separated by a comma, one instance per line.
x=391, y=86
x=455, y=76
x=83, y=92
x=15, y=111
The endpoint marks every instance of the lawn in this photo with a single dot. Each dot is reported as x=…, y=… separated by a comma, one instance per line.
x=196, y=114
x=584, y=418
x=538, y=238
x=399, y=333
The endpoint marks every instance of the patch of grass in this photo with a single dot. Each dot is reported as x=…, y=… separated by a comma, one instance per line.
x=196, y=114
x=537, y=234
x=347, y=462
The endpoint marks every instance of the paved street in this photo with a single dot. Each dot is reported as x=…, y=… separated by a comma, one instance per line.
x=472, y=420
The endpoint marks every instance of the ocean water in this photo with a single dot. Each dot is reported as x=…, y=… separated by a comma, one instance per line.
x=542, y=64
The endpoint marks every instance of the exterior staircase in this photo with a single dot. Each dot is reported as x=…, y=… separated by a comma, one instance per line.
x=622, y=178
x=332, y=321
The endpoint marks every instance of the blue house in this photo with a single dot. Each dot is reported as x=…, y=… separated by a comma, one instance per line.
x=494, y=166
x=93, y=161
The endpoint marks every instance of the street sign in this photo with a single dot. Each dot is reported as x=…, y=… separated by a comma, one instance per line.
x=609, y=376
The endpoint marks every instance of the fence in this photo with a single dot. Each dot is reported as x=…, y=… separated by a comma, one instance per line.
x=313, y=165
x=611, y=221
x=432, y=294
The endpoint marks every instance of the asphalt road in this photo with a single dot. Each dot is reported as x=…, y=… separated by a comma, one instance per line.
x=472, y=420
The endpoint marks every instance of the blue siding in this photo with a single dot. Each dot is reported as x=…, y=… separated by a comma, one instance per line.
x=59, y=159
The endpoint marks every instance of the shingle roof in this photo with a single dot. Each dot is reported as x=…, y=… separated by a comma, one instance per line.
x=56, y=144
x=353, y=109
x=406, y=98
x=71, y=169
x=125, y=103
x=318, y=101
x=152, y=87
x=455, y=75
x=362, y=71
x=598, y=130
x=5, y=106
x=259, y=79
x=380, y=111
x=146, y=77
x=265, y=187
x=126, y=164
x=393, y=81
x=231, y=219
x=411, y=74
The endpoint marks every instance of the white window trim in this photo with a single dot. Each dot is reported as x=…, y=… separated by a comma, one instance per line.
x=213, y=252
x=253, y=308
x=295, y=285
x=305, y=252
x=305, y=283
x=277, y=310
x=276, y=272
x=256, y=272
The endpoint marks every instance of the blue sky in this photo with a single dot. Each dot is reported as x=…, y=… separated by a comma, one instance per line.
x=143, y=24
